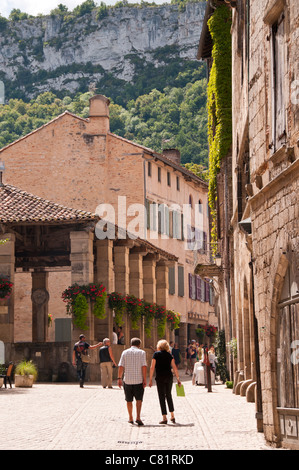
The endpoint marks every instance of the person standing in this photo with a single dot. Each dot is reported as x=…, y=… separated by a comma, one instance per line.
x=176, y=354
x=120, y=336
x=132, y=370
x=106, y=361
x=80, y=351
x=115, y=337
x=164, y=363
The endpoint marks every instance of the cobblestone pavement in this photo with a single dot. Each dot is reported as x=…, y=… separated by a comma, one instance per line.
x=53, y=416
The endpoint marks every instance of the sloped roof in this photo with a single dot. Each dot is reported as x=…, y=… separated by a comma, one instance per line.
x=17, y=206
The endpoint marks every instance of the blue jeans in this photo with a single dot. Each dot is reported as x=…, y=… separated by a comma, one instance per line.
x=81, y=369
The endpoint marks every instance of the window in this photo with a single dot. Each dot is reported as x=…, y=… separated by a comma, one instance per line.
x=177, y=183
x=278, y=78
x=200, y=206
x=159, y=174
x=190, y=201
x=192, y=286
x=149, y=168
x=176, y=225
x=168, y=179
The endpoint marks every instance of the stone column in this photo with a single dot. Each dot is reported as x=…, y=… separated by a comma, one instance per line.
x=149, y=292
x=82, y=270
x=7, y=270
x=40, y=301
x=105, y=275
x=162, y=287
x=122, y=278
x=136, y=285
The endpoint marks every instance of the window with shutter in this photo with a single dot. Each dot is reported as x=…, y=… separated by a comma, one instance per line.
x=278, y=88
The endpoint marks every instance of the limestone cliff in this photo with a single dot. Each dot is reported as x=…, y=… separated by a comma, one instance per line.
x=49, y=53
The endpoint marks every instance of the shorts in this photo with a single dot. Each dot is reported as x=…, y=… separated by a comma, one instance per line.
x=133, y=391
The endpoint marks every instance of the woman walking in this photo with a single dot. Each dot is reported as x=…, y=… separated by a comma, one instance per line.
x=163, y=362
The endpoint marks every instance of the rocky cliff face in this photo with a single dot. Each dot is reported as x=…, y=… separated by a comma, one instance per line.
x=50, y=53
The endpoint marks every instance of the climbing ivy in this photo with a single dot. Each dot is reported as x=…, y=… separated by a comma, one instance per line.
x=219, y=104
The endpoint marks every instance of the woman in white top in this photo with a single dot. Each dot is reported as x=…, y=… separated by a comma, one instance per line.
x=213, y=362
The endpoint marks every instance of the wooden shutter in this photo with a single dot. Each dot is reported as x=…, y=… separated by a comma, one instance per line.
x=190, y=285
x=63, y=329
x=181, y=285
x=198, y=288
x=171, y=279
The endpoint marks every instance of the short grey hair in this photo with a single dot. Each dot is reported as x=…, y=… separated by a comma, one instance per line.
x=105, y=340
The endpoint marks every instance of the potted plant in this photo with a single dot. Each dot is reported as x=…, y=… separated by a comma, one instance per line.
x=25, y=374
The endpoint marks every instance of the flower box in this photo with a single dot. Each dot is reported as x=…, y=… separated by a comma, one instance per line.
x=24, y=380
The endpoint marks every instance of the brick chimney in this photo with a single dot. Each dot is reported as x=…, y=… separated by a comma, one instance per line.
x=99, y=114
x=173, y=155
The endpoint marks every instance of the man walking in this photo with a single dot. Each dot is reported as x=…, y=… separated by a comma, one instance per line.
x=80, y=356
x=133, y=365
x=106, y=361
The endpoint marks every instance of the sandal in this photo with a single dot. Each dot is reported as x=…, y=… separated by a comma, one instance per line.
x=172, y=420
x=139, y=422
x=163, y=422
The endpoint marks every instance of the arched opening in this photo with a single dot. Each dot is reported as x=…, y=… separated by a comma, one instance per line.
x=286, y=291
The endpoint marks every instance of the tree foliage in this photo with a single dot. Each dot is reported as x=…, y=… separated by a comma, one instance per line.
x=173, y=118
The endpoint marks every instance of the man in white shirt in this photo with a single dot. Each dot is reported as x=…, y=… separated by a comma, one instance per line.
x=133, y=365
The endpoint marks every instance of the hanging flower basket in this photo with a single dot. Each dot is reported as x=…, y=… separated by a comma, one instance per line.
x=77, y=297
x=210, y=330
x=50, y=320
x=174, y=318
x=117, y=303
x=161, y=320
x=134, y=308
x=5, y=288
x=149, y=313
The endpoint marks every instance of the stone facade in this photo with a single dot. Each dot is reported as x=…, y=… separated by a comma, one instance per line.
x=263, y=228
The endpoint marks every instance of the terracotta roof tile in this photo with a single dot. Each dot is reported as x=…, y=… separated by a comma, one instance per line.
x=19, y=206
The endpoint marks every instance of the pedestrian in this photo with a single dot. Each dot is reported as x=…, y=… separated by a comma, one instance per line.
x=213, y=362
x=163, y=363
x=193, y=355
x=80, y=355
x=187, y=357
x=176, y=354
x=132, y=370
x=120, y=335
x=106, y=361
x=114, y=336
x=170, y=346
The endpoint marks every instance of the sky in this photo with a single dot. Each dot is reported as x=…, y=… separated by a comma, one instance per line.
x=34, y=7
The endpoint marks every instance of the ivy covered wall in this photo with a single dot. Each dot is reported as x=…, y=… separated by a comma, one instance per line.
x=219, y=104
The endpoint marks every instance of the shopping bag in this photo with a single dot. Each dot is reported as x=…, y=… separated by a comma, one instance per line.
x=180, y=391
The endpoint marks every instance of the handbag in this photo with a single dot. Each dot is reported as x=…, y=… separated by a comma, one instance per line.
x=180, y=391
x=85, y=358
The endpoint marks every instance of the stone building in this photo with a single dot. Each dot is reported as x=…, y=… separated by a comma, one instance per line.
x=263, y=224
x=79, y=163
x=43, y=238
